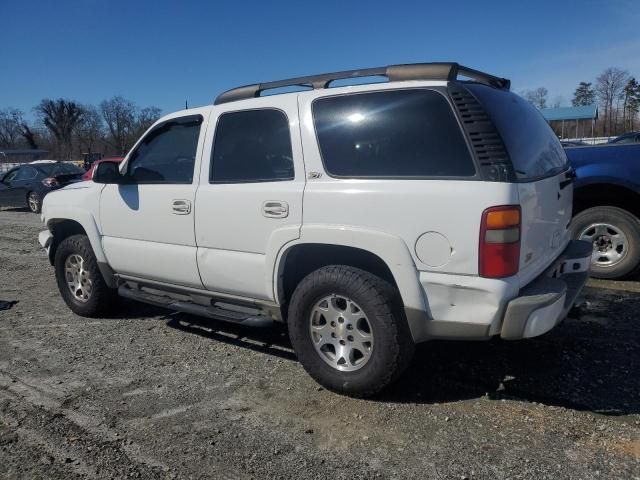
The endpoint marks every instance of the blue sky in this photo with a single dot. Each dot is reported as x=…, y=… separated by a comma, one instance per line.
x=163, y=52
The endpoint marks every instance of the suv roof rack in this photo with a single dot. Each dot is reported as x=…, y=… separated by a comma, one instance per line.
x=394, y=73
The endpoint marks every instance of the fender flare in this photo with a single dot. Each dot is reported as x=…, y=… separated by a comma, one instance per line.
x=392, y=250
x=589, y=181
x=88, y=223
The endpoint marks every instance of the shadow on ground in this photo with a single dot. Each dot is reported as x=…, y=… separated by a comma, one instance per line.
x=15, y=209
x=590, y=362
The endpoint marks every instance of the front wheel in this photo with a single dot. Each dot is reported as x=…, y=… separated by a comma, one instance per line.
x=615, y=236
x=348, y=329
x=79, y=279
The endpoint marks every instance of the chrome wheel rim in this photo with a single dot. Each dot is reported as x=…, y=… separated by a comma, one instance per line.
x=77, y=278
x=341, y=333
x=610, y=244
x=33, y=202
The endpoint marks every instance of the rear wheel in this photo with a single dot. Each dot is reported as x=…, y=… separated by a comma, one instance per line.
x=615, y=236
x=34, y=202
x=348, y=329
x=79, y=279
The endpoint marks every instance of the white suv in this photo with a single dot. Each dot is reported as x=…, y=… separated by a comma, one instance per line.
x=367, y=217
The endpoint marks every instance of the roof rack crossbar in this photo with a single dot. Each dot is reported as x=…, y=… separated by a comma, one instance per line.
x=394, y=73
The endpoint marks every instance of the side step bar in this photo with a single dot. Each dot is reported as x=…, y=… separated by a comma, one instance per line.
x=185, y=306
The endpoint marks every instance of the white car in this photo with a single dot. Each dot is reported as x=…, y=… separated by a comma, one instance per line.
x=368, y=218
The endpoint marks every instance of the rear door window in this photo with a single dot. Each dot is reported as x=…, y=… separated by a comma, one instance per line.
x=252, y=146
x=533, y=147
x=26, y=173
x=393, y=133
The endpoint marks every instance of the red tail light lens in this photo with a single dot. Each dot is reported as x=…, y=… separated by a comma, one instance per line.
x=50, y=182
x=499, y=254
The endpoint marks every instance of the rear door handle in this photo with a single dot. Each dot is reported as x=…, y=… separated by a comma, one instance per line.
x=181, y=207
x=275, y=209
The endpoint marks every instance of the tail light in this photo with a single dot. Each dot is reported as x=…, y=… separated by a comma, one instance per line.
x=500, y=242
x=50, y=182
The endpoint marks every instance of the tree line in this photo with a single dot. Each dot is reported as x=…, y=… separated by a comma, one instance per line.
x=67, y=128
x=615, y=91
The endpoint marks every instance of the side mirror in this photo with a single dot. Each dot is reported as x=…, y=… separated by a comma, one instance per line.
x=108, y=172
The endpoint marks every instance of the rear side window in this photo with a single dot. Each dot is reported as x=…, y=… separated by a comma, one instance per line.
x=399, y=133
x=26, y=173
x=252, y=146
x=627, y=139
x=533, y=147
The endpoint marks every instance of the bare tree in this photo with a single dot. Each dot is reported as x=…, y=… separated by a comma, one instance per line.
x=609, y=87
x=126, y=122
x=91, y=128
x=537, y=97
x=120, y=117
x=13, y=126
x=61, y=117
x=145, y=118
x=29, y=135
x=11, y=120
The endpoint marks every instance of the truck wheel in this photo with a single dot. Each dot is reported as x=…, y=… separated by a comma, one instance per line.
x=34, y=202
x=79, y=279
x=615, y=235
x=348, y=329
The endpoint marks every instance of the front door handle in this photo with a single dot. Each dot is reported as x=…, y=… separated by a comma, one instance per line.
x=181, y=207
x=275, y=209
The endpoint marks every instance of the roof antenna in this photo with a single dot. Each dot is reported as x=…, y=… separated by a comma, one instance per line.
x=186, y=106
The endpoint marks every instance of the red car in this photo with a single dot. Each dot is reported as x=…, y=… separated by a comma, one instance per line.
x=89, y=173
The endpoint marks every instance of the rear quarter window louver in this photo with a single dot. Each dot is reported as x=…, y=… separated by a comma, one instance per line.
x=486, y=143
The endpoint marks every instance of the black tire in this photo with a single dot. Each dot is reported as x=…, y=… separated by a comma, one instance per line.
x=101, y=299
x=620, y=220
x=34, y=202
x=393, y=346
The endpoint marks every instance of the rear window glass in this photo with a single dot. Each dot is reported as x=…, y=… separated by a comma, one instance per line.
x=533, y=147
x=395, y=133
x=62, y=168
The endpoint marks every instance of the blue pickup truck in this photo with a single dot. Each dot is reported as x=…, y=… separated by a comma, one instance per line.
x=607, y=206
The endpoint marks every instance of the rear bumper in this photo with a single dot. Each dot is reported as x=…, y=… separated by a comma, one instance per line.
x=545, y=302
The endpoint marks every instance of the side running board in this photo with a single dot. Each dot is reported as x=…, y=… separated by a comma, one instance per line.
x=215, y=312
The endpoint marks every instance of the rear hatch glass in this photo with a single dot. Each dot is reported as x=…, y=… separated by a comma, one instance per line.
x=534, y=149
x=540, y=163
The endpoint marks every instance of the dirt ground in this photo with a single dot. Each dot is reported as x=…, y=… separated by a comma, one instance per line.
x=155, y=394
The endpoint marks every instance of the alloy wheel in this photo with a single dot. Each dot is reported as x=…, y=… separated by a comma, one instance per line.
x=341, y=333
x=32, y=199
x=77, y=278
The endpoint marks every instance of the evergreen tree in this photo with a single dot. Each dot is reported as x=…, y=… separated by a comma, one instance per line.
x=584, y=95
x=631, y=94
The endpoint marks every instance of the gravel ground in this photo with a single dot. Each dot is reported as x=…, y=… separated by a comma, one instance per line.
x=155, y=394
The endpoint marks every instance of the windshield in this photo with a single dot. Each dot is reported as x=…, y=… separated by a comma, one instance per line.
x=60, y=168
x=533, y=147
